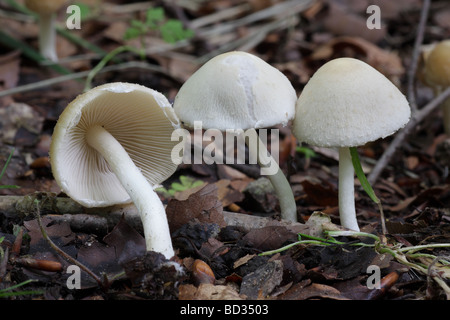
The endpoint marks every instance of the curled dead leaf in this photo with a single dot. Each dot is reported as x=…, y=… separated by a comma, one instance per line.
x=207, y=291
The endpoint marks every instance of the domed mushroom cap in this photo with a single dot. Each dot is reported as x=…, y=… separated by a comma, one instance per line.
x=140, y=119
x=437, y=66
x=236, y=90
x=44, y=6
x=347, y=103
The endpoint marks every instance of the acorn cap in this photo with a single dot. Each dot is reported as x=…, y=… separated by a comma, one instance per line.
x=236, y=90
x=347, y=103
x=141, y=119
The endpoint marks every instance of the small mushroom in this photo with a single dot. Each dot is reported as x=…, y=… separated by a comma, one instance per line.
x=240, y=91
x=347, y=103
x=112, y=145
x=437, y=75
x=46, y=9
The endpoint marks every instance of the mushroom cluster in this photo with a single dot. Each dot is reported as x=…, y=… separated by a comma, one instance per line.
x=348, y=103
x=112, y=145
x=240, y=91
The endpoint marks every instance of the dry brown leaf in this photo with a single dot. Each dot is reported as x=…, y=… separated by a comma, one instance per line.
x=226, y=172
x=206, y=291
x=203, y=206
x=322, y=193
x=269, y=238
x=19, y=116
x=315, y=290
x=9, y=69
x=61, y=230
x=386, y=62
x=243, y=260
x=342, y=21
x=226, y=194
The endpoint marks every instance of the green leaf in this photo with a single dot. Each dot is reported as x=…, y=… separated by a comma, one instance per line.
x=361, y=176
x=85, y=10
x=178, y=186
x=131, y=33
x=309, y=153
x=137, y=24
x=173, y=31
x=154, y=15
x=197, y=183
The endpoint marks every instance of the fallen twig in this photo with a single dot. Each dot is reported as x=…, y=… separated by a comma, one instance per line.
x=104, y=219
x=82, y=74
x=62, y=253
x=415, y=55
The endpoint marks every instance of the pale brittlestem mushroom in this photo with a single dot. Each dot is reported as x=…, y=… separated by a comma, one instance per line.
x=112, y=145
x=240, y=91
x=437, y=75
x=347, y=103
x=46, y=10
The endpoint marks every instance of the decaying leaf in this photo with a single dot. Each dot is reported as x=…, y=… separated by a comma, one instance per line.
x=203, y=206
x=260, y=283
x=386, y=62
x=59, y=230
x=269, y=238
x=206, y=291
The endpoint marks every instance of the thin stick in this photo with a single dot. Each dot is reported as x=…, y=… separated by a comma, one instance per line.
x=415, y=55
x=62, y=253
x=104, y=219
x=416, y=118
x=82, y=74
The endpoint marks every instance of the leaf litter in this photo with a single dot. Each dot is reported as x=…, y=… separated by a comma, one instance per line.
x=221, y=227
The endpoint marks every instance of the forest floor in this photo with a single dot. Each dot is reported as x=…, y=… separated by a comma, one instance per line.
x=223, y=218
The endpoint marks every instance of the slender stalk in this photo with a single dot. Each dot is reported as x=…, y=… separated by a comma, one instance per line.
x=279, y=181
x=105, y=60
x=347, y=211
x=147, y=202
x=47, y=36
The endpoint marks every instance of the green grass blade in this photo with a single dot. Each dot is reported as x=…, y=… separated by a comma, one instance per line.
x=361, y=176
x=29, y=52
x=6, y=164
x=4, y=170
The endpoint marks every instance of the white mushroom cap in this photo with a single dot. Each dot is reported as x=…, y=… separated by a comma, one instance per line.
x=347, y=103
x=141, y=119
x=236, y=90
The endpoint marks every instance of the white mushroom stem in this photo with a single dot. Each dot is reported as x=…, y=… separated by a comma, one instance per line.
x=147, y=202
x=347, y=212
x=279, y=182
x=47, y=36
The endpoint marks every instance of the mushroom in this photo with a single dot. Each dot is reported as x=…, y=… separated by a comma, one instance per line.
x=347, y=103
x=437, y=75
x=110, y=146
x=240, y=91
x=46, y=10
